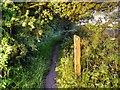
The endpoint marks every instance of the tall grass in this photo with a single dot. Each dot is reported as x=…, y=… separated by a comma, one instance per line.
x=99, y=62
x=32, y=76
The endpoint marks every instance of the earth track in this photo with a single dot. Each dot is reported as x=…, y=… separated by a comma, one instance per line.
x=50, y=81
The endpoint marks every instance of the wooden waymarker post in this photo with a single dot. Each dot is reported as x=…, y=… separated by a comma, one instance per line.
x=77, y=53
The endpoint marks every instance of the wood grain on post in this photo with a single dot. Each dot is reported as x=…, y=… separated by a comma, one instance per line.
x=77, y=53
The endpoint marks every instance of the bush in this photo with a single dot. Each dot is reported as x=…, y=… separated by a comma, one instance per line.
x=31, y=74
x=66, y=77
x=99, y=62
x=22, y=55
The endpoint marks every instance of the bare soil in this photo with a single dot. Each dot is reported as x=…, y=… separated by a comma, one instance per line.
x=50, y=81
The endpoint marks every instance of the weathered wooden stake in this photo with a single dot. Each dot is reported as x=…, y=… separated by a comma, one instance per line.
x=77, y=53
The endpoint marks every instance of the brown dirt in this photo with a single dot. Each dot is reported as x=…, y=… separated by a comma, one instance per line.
x=50, y=81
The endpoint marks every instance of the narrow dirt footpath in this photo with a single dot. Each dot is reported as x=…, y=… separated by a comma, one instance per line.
x=50, y=78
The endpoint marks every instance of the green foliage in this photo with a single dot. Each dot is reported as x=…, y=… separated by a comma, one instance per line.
x=23, y=59
x=29, y=34
x=75, y=11
x=99, y=60
x=33, y=75
x=66, y=77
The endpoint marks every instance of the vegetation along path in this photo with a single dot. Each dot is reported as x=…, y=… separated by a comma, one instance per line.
x=50, y=78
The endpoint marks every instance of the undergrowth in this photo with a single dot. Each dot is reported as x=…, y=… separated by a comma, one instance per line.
x=35, y=64
x=33, y=75
x=99, y=61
